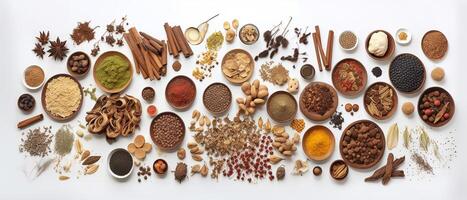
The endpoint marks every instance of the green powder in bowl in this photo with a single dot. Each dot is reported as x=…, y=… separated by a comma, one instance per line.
x=113, y=72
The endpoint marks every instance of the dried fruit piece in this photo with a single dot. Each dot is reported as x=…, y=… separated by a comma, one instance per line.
x=131, y=148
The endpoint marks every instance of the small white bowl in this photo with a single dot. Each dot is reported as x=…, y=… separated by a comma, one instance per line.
x=356, y=42
x=110, y=170
x=403, y=42
x=24, y=78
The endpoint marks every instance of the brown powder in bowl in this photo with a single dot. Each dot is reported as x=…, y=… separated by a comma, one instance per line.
x=34, y=76
x=434, y=45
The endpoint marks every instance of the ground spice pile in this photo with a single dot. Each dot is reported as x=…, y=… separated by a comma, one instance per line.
x=37, y=142
x=62, y=96
x=274, y=73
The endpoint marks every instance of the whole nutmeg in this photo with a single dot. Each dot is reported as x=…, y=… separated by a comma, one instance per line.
x=408, y=108
x=280, y=173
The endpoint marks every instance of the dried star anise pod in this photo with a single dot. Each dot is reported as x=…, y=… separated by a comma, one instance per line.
x=110, y=28
x=120, y=29
x=43, y=37
x=95, y=50
x=110, y=40
x=82, y=32
x=57, y=49
x=39, y=50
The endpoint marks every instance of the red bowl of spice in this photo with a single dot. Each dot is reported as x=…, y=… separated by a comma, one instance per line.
x=349, y=77
x=180, y=92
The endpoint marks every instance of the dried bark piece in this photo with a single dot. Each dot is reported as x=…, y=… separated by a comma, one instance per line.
x=91, y=160
x=389, y=168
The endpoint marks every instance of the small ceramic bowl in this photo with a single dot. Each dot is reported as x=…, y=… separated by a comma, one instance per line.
x=407, y=40
x=303, y=71
x=24, y=78
x=158, y=172
x=249, y=42
x=338, y=162
x=356, y=42
x=110, y=170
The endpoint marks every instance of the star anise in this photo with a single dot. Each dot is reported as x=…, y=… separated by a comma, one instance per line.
x=58, y=49
x=110, y=40
x=120, y=42
x=39, y=50
x=43, y=37
x=82, y=33
x=120, y=29
x=95, y=50
x=110, y=28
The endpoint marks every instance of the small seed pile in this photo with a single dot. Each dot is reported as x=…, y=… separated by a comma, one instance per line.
x=167, y=131
x=283, y=143
x=256, y=94
x=37, y=142
x=139, y=147
x=64, y=139
x=347, y=40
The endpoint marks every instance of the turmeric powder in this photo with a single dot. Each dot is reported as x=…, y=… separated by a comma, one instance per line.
x=318, y=142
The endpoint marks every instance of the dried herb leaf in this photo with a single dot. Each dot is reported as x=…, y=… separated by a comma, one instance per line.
x=424, y=139
x=407, y=138
x=393, y=136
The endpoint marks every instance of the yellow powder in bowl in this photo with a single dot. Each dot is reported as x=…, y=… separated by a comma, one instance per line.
x=318, y=142
x=62, y=96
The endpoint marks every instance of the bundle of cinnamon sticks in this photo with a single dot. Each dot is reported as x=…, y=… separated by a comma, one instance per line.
x=149, y=54
x=324, y=59
x=177, y=42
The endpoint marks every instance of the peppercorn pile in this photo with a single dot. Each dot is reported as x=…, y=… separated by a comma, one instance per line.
x=167, y=131
x=217, y=98
x=407, y=73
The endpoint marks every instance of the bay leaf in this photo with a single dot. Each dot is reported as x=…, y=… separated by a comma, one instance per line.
x=393, y=136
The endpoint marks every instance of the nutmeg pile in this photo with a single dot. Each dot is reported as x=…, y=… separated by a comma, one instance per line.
x=79, y=63
x=256, y=94
x=283, y=143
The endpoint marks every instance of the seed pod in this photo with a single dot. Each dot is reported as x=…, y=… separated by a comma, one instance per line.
x=296, y=138
x=274, y=159
x=204, y=170
x=195, y=114
x=260, y=123
x=280, y=173
x=252, y=104
x=240, y=100
x=195, y=169
x=246, y=88
x=85, y=155
x=197, y=157
x=258, y=101
x=287, y=153
x=251, y=109
x=268, y=126
x=180, y=172
x=181, y=153
x=262, y=94
x=192, y=144
x=63, y=178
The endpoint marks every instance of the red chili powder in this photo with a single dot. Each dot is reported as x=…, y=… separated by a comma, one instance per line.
x=180, y=92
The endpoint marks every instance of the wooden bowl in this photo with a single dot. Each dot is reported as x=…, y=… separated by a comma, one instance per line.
x=251, y=66
x=336, y=82
x=230, y=99
x=452, y=107
x=434, y=58
x=424, y=74
x=269, y=110
x=336, y=162
x=308, y=133
x=394, y=99
x=98, y=62
x=154, y=166
x=389, y=51
x=44, y=106
x=359, y=166
x=69, y=67
x=171, y=82
x=315, y=116
x=151, y=132
x=254, y=27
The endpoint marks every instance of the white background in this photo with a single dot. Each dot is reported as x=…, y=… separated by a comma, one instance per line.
x=21, y=21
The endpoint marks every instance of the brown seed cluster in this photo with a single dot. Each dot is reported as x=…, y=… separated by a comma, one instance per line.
x=167, y=131
x=363, y=143
x=217, y=98
x=318, y=99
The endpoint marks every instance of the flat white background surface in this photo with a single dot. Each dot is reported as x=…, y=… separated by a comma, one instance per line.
x=21, y=21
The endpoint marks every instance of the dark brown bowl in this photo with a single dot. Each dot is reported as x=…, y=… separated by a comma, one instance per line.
x=434, y=58
x=98, y=62
x=359, y=166
x=452, y=107
x=44, y=106
x=24, y=96
x=74, y=73
x=335, y=163
x=268, y=106
x=424, y=74
x=251, y=66
x=154, y=168
x=151, y=89
x=172, y=103
x=315, y=116
x=333, y=143
x=389, y=51
x=177, y=145
x=230, y=99
x=336, y=82
x=312, y=69
x=394, y=98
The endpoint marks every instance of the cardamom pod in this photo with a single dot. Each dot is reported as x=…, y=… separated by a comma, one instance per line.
x=274, y=159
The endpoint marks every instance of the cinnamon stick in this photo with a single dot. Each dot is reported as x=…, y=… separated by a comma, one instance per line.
x=135, y=51
x=329, y=49
x=320, y=46
x=180, y=38
x=317, y=52
x=164, y=53
x=30, y=121
x=147, y=45
x=171, y=40
x=148, y=64
x=388, y=170
x=379, y=173
x=147, y=36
